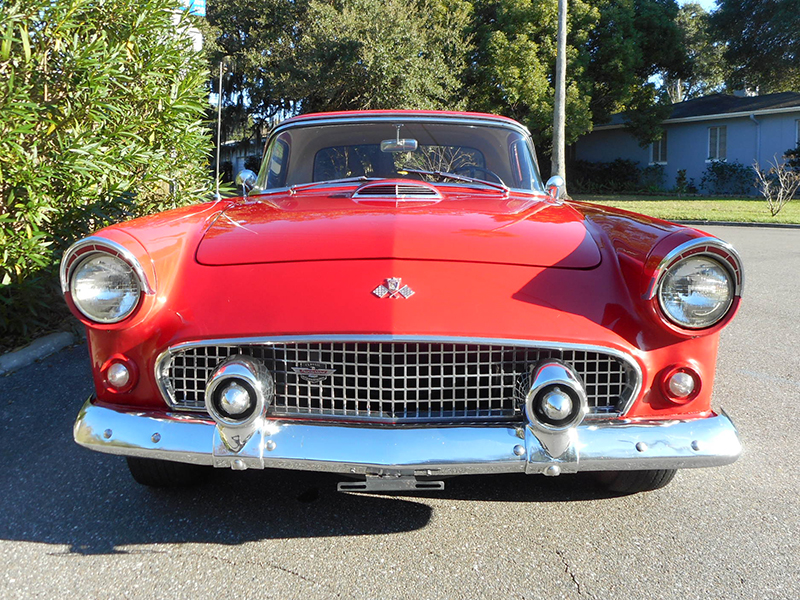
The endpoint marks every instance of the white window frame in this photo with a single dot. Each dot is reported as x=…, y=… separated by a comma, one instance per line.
x=720, y=131
x=658, y=150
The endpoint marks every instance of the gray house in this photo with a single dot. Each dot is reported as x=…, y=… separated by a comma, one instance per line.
x=719, y=127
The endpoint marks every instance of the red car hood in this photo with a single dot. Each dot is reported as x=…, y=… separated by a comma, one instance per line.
x=482, y=227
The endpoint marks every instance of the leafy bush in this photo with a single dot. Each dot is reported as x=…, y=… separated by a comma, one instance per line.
x=253, y=163
x=681, y=182
x=728, y=178
x=604, y=177
x=618, y=176
x=652, y=178
x=792, y=157
x=101, y=112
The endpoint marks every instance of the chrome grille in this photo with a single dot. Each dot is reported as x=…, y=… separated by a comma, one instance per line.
x=397, y=381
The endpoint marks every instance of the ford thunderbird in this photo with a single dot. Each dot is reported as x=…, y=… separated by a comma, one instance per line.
x=397, y=297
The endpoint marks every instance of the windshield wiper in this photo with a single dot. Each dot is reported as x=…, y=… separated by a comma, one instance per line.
x=303, y=186
x=454, y=176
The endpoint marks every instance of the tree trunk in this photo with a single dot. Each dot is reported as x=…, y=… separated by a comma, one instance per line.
x=559, y=113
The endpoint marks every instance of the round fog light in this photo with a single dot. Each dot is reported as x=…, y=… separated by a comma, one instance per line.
x=235, y=399
x=556, y=399
x=118, y=375
x=239, y=391
x=681, y=384
x=556, y=405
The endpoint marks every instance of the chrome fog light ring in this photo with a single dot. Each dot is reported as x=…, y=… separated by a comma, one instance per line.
x=234, y=400
x=556, y=400
x=556, y=405
x=239, y=391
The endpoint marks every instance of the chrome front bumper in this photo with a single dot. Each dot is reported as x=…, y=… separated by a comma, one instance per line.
x=611, y=445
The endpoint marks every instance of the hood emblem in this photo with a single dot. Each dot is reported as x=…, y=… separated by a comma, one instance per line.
x=313, y=372
x=393, y=288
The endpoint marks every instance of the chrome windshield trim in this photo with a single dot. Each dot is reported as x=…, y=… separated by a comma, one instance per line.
x=266, y=341
x=481, y=120
x=392, y=118
x=699, y=246
x=102, y=244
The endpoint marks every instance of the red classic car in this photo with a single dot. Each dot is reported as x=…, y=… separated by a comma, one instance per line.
x=398, y=298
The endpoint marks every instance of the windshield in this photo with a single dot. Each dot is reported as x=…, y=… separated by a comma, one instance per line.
x=429, y=151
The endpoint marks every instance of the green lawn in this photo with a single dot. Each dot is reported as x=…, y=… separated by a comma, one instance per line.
x=698, y=209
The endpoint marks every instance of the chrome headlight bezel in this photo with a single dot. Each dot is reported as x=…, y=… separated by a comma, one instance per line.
x=709, y=253
x=702, y=269
x=107, y=303
x=90, y=249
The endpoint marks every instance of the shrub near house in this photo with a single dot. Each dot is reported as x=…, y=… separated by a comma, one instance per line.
x=728, y=179
x=715, y=138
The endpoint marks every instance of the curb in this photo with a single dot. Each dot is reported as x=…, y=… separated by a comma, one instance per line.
x=36, y=350
x=738, y=224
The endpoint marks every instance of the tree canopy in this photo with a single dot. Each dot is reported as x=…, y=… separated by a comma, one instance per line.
x=490, y=55
x=762, y=42
x=362, y=54
x=708, y=69
x=257, y=40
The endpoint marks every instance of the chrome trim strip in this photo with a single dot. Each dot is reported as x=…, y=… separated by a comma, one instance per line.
x=100, y=242
x=393, y=118
x=698, y=245
x=626, y=358
x=611, y=445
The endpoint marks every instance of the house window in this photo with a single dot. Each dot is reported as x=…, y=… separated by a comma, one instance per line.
x=797, y=133
x=718, y=143
x=658, y=151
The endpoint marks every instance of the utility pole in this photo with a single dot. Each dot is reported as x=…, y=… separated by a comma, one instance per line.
x=559, y=112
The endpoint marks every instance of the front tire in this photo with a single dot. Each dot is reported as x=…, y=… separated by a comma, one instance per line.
x=632, y=482
x=164, y=473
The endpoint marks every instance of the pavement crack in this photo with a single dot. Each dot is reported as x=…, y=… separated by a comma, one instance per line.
x=271, y=565
x=568, y=571
x=292, y=572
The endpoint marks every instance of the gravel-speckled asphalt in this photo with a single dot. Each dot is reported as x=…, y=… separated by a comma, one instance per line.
x=73, y=524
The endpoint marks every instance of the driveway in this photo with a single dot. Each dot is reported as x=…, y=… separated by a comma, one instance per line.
x=74, y=524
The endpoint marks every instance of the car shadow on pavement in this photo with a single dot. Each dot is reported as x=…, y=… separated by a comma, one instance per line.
x=91, y=505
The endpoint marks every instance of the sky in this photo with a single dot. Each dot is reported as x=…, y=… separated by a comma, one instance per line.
x=709, y=5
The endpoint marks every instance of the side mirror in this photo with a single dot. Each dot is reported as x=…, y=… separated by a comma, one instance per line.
x=247, y=179
x=554, y=186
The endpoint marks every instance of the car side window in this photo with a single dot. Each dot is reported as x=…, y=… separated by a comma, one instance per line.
x=522, y=168
x=276, y=169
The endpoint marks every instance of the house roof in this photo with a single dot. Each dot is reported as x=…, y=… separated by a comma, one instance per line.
x=721, y=106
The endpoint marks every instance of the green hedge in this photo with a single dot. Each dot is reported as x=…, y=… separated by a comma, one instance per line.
x=101, y=108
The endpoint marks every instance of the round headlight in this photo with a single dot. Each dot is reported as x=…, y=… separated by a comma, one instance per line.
x=104, y=288
x=696, y=292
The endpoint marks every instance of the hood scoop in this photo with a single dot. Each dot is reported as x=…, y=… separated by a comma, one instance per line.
x=396, y=193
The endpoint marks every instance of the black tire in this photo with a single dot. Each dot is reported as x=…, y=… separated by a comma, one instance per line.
x=632, y=482
x=164, y=473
